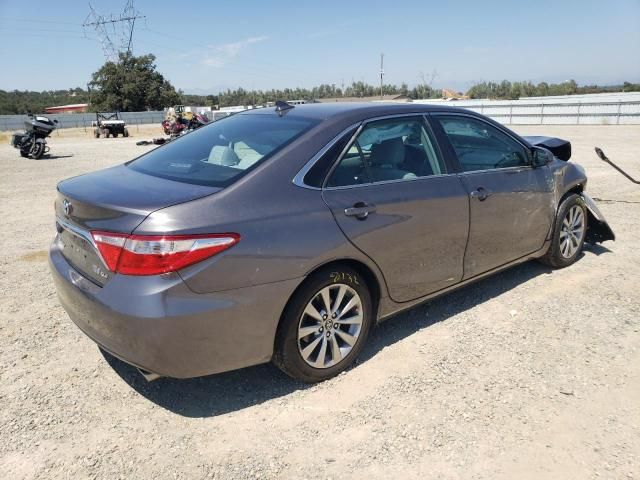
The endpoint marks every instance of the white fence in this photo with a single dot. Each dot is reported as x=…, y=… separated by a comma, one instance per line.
x=81, y=120
x=597, y=109
x=624, y=109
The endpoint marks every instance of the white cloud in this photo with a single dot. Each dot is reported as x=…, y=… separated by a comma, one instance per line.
x=218, y=55
x=212, y=61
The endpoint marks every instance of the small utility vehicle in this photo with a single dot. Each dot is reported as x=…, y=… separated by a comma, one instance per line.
x=109, y=124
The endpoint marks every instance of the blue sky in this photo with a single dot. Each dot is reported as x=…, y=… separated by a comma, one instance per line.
x=204, y=46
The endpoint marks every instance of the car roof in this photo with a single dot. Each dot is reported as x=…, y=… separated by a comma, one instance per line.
x=336, y=110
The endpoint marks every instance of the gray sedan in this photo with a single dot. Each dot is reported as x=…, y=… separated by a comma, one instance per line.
x=285, y=234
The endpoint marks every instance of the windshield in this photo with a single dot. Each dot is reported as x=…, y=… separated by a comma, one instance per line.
x=220, y=153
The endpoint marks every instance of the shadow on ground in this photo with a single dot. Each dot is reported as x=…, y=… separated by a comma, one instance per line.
x=596, y=248
x=55, y=157
x=233, y=391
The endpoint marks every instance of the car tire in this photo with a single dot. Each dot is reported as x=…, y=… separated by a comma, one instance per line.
x=569, y=232
x=313, y=348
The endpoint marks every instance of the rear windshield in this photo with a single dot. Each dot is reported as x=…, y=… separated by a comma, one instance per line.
x=220, y=153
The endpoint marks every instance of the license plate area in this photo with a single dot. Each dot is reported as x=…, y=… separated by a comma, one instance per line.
x=82, y=255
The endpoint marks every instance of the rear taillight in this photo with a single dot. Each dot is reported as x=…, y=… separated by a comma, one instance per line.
x=110, y=246
x=156, y=254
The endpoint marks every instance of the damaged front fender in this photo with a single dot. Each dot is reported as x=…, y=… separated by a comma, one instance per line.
x=598, y=230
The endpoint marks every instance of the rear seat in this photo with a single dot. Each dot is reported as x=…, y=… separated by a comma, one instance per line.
x=385, y=159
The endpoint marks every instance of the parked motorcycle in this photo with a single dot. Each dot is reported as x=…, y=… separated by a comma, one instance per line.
x=181, y=124
x=32, y=141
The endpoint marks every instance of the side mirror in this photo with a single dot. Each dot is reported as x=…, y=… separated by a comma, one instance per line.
x=55, y=121
x=541, y=157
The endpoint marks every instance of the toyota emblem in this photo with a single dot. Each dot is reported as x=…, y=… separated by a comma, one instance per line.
x=66, y=206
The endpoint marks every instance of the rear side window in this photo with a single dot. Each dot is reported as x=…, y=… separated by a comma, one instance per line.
x=220, y=153
x=316, y=174
x=480, y=146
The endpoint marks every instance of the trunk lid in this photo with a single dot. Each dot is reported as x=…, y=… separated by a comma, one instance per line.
x=117, y=199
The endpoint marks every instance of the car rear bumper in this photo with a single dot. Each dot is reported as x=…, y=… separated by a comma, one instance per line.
x=158, y=324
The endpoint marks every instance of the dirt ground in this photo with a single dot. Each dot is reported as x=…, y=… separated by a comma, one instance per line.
x=529, y=374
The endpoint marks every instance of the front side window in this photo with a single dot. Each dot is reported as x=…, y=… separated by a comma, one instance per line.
x=481, y=146
x=394, y=149
x=220, y=153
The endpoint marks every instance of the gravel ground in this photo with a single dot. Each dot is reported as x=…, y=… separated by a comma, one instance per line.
x=532, y=373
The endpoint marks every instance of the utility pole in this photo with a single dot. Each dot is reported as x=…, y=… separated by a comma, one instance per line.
x=381, y=75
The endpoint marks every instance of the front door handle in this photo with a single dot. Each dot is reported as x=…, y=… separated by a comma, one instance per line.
x=481, y=193
x=360, y=210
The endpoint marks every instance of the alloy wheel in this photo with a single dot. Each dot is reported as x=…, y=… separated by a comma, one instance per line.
x=572, y=231
x=330, y=325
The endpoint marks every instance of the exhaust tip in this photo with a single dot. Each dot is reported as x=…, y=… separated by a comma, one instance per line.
x=148, y=376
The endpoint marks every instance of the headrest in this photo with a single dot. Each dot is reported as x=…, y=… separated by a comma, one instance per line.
x=221, y=155
x=389, y=152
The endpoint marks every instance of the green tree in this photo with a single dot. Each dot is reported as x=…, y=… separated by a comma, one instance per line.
x=131, y=84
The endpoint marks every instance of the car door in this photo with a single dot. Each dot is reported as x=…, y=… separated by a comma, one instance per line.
x=511, y=202
x=393, y=196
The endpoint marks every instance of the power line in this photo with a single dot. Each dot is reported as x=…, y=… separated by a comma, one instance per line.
x=16, y=33
x=33, y=20
x=37, y=30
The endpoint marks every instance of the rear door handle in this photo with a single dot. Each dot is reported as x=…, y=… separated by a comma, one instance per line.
x=481, y=193
x=360, y=210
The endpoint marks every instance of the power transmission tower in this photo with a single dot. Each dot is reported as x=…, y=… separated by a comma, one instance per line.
x=434, y=74
x=109, y=26
x=381, y=75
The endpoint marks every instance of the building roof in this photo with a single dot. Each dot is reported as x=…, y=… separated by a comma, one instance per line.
x=75, y=106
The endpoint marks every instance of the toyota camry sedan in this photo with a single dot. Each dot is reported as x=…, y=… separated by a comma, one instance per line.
x=285, y=234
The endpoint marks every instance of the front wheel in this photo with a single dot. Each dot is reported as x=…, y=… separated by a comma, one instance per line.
x=38, y=150
x=325, y=325
x=568, y=234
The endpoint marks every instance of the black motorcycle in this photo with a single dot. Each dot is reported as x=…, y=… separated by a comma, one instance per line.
x=32, y=142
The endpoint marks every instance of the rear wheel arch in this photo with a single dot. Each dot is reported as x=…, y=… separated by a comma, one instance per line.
x=369, y=276
x=362, y=282
x=370, y=279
